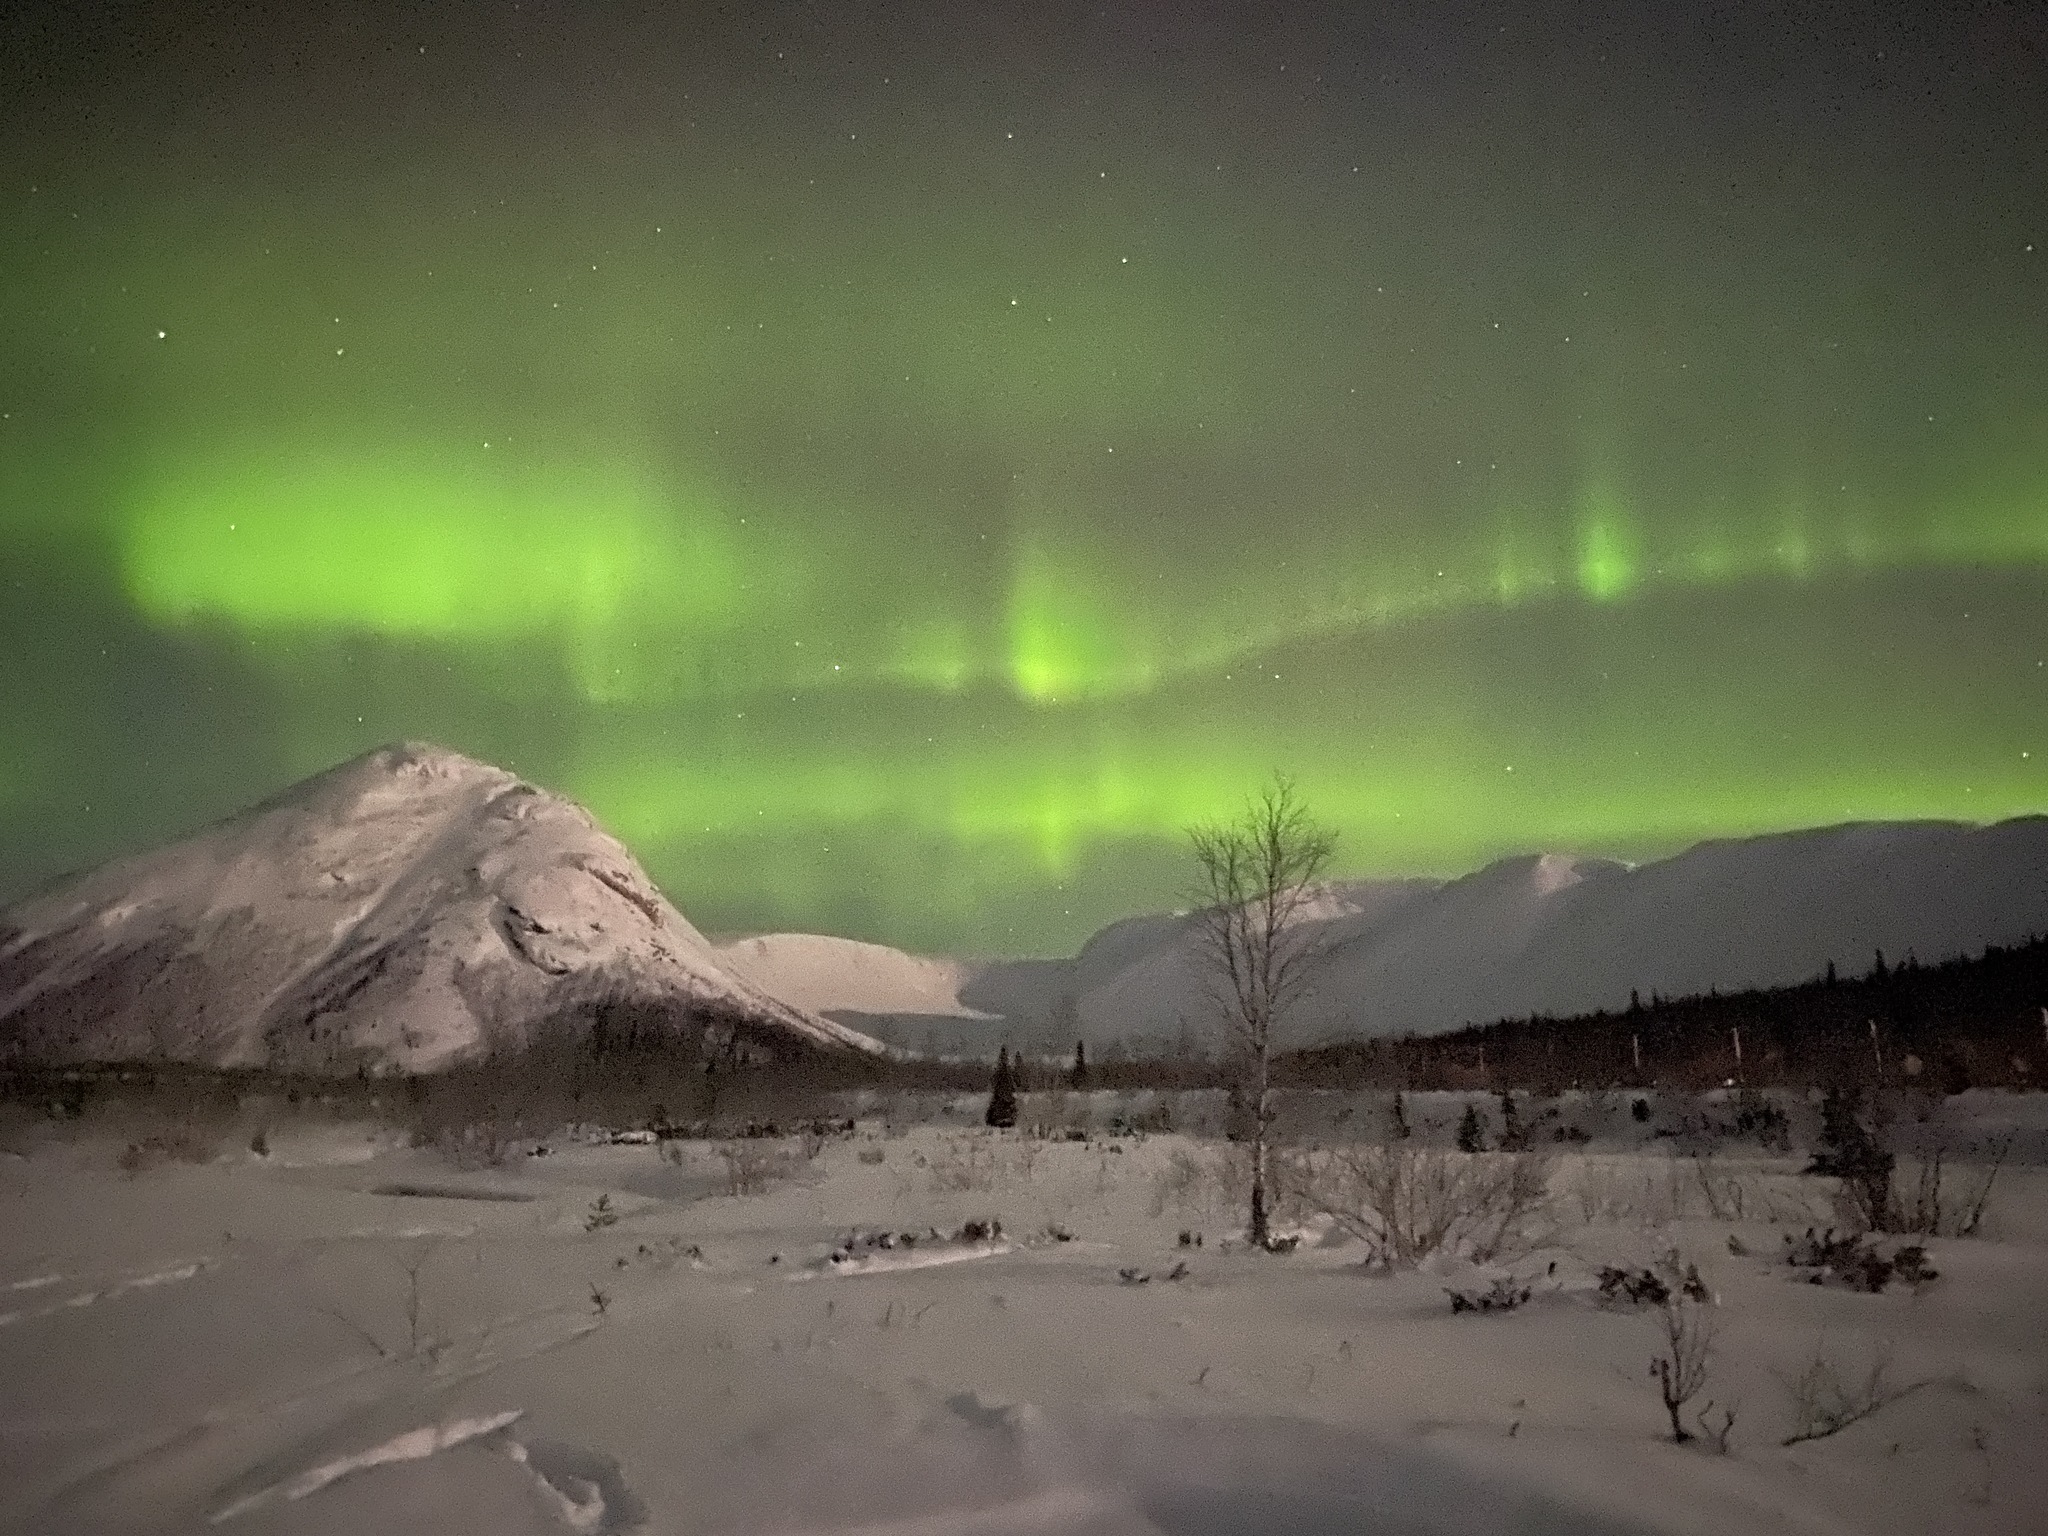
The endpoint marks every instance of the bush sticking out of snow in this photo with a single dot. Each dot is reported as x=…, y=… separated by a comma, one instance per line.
x=1855, y=1262
x=1654, y=1286
x=1825, y=1403
x=1408, y=1202
x=1504, y=1295
x=1686, y=1329
x=962, y=1167
x=173, y=1144
x=754, y=1167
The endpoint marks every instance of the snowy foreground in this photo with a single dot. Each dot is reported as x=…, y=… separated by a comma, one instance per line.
x=348, y=1335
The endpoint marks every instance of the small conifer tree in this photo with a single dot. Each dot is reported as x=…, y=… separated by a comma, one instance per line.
x=1471, y=1131
x=1077, y=1079
x=1513, y=1137
x=1002, y=1093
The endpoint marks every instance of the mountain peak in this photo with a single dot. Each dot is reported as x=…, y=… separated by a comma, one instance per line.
x=409, y=907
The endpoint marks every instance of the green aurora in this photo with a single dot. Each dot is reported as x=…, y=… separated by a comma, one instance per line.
x=900, y=509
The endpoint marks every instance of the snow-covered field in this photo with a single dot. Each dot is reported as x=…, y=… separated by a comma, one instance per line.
x=350, y=1335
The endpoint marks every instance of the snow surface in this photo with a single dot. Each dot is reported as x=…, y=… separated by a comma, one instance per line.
x=284, y=1388
x=407, y=908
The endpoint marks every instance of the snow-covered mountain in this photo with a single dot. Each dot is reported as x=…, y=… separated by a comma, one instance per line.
x=816, y=971
x=408, y=908
x=1546, y=933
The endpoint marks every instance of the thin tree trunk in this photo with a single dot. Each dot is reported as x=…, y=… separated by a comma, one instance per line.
x=1261, y=1079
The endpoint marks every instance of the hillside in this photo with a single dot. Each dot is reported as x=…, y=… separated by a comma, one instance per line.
x=406, y=909
x=1552, y=934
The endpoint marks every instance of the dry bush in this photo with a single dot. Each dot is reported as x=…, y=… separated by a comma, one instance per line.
x=1859, y=1148
x=1409, y=1202
x=1727, y=1196
x=1024, y=1157
x=1679, y=1189
x=1939, y=1199
x=1825, y=1402
x=479, y=1144
x=1686, y=1329
x=1190, y=1182
x=754, y=1166
x=1046, y=1112
x=180, y=1143
x=962, y=1166
x=1180, y=1183
x=1606, y=1195
x=1855, y=1262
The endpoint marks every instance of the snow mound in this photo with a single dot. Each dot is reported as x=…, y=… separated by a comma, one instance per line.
x=413, y=1445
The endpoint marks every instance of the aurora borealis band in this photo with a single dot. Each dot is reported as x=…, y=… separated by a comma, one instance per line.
x=899, y=465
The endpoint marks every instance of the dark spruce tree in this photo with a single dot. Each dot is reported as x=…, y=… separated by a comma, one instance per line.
x=1471, y=1131
x=1077, y=1078
x=1513, y=1136
x=1002, y=1093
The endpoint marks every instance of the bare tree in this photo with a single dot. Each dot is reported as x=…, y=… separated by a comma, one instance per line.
x=1256, y=878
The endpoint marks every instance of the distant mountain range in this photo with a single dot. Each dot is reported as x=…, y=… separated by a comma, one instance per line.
x=1548, y=933
x=412, y=908
x=409, y=908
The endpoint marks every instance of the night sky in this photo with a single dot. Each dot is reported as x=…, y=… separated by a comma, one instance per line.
x=899, y=465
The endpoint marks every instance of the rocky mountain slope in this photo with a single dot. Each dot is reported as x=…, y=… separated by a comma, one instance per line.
x=408, y=908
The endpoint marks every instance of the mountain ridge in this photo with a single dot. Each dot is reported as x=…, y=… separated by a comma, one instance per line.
x=1543, y=933
x=407, y=908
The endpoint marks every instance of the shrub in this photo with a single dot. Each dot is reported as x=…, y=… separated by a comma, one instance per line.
x=1504, y=1295
x=1406, y=1203
x=752, y=1167
x=479, y=1144
x=1853, y=1151
x=1855, y=1262
x=1180, y=1183
x=1933, y=1206
x=174, y=1144
x=1824, y=1403
x=1686, y=1330
x=1656, y=1285
x=963, y=1167
x=1760, y=1118
x=1158, y=1120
